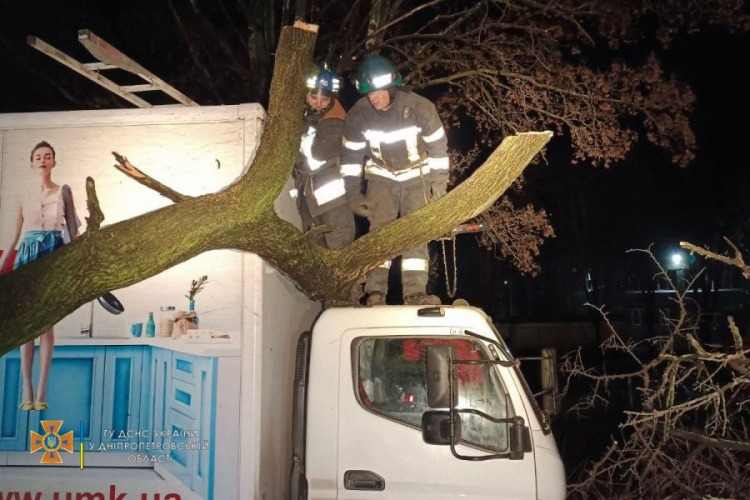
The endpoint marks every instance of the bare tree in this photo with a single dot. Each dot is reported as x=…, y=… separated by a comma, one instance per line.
x=516, y=65
x=689, y=436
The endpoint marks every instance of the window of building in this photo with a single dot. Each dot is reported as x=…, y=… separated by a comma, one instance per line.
x=662, y=284
x=633, y=284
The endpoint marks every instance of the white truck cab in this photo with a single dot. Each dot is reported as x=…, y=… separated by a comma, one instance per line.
x=416, y=402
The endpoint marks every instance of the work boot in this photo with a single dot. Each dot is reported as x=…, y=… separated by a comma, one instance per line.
x=376, y=299
x=422, y=299
x=354, y=300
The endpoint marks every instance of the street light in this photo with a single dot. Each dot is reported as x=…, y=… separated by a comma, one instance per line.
x=679, y=264
x=676, y=259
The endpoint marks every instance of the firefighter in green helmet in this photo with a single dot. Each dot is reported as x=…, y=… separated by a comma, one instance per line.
x=396, y=139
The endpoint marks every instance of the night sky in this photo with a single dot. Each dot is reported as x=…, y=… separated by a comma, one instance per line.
x=643, y=199
x=140, y=29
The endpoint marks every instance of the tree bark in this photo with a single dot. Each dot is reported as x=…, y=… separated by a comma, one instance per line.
x=242, y=217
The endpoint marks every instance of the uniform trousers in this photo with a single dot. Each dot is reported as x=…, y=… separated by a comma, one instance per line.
x=390, y=200
x=340, y=218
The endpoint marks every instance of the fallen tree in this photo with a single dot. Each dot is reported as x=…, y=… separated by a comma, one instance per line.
x=687, y=435
x=240, y=217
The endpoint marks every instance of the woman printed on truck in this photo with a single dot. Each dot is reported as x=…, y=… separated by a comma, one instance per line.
x=46, y=214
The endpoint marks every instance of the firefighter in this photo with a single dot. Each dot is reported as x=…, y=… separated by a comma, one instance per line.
x=397, y=139
x=318, y=186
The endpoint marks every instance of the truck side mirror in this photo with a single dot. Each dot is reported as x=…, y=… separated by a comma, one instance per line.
x=520, y=438
x=438, y=375
x=549, y=380
x=436, y=427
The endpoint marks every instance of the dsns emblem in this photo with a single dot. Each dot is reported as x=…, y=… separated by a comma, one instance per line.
x=407, y=111
x=51, y=441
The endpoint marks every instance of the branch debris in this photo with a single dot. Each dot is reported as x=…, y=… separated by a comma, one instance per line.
x=689, y=431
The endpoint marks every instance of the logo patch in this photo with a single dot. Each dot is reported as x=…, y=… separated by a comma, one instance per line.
x=51, y=441
x=407, y=111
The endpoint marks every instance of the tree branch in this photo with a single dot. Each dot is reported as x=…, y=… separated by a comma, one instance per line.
x=96, y=216
x=725, y=444
x=402, y=17
x=735, y=261
x=127, y=168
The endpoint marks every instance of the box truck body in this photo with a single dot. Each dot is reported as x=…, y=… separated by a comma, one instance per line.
x=212, y=418
x=130, y=400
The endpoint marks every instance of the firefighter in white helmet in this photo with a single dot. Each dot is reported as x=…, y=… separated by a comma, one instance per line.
x=319, y=188
x=397, y=138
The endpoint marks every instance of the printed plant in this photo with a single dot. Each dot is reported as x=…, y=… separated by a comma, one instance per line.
x=196, y=287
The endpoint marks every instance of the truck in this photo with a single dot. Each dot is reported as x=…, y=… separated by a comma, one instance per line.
x=370, y=402
x=407, y=402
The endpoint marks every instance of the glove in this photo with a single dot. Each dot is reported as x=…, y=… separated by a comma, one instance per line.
x=438, y=190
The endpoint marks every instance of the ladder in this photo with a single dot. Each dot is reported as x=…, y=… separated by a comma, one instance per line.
x=108, y=57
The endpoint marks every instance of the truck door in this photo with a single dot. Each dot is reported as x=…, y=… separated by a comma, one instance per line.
x=382, y=396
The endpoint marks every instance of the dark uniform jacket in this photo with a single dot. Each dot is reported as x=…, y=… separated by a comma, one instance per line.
x=405, y=142
x=316, y=173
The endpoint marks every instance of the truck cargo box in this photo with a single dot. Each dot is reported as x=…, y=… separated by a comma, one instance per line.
x=195, y=417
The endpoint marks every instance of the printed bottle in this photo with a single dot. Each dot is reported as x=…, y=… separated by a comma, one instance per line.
x=150, y=325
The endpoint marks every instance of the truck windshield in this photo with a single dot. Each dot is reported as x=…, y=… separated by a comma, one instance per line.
x=390, y=382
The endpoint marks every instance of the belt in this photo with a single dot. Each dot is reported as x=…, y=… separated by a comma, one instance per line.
x=411, y=171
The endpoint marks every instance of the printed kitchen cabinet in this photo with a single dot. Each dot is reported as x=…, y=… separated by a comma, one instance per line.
x=14, y=423
x=97, y=385
x=74, y=395
x=190, y=420
x=121, y=406
x=173, y=399
x=160, y=372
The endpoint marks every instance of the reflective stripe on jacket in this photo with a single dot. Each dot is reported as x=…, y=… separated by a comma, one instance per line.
x=391, y=143
x=316, y=173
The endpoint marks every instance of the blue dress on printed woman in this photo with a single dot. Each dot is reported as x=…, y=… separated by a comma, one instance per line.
x=48, y=214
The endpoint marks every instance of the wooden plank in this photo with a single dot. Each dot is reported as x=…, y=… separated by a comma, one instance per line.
x=110, y=55
x=98, y=66
x=79, y=68
x=146, y=87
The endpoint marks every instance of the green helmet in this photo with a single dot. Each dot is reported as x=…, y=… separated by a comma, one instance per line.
x=376, y=73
